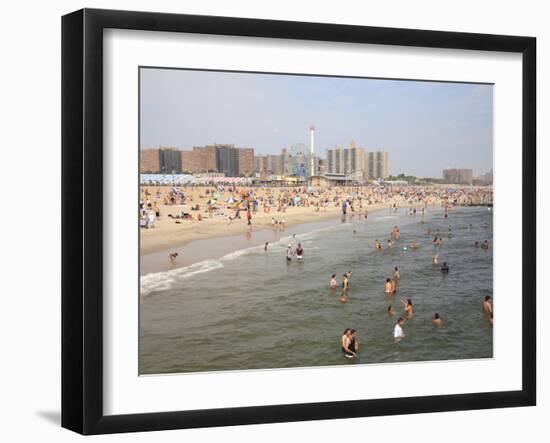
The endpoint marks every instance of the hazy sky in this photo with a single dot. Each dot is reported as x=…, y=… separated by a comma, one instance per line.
x=425, y=126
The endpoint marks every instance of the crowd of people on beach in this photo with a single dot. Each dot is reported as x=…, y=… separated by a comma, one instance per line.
x=221, y=202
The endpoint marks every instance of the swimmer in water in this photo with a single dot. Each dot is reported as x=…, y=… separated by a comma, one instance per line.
x=265, y=246
x=333, y=282
x=343, y=298
x=488, y=305
x=289, y=253
x=391, y=311
x=476, y=244
x=377, y=245
x=485, y=245
x=390, y=244
x=414, y=245
x=434, y=259
x=345, y=282
x=396, y=274
x=398, y=333
x=173, y=256
x=388, y=286
x=393, y=285
x=436, y=320
x=354, y=344
x=445, y=268
x=299, y=252
x=349, y=348
x=409, y=310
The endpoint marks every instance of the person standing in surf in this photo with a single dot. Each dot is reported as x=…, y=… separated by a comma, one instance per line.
x=349, y=343
x=333, y=282
x=398, y=333
x=289, y=253
x=299, y=252
x=345, y=282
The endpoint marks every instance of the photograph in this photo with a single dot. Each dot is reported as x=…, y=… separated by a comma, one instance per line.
x=294, y=221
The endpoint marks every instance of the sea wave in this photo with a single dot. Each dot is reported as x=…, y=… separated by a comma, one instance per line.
x=162, y=281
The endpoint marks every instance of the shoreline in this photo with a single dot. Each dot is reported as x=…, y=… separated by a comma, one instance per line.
x=209, y=229
x=182, y=220
x=216, y=246
x=206, y=247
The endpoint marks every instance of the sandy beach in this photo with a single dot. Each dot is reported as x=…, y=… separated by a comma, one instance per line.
x=212, y=220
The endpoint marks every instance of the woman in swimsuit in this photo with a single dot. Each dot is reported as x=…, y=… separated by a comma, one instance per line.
x=333, y=282
x=349, y=344
x=409, y=311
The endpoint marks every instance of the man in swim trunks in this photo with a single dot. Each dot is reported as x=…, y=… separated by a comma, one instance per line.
x=345, y=282
x=388, y=286
x=173, y=256
x=299, y=251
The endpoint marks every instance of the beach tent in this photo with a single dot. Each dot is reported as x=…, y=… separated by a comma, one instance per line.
x=231, y=200
x=168, y=179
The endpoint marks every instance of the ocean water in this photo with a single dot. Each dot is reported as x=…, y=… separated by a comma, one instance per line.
x=249, y=309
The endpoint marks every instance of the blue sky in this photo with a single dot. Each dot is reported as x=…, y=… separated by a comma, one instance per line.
x=425, y=126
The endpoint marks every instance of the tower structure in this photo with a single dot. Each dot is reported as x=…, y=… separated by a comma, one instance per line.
x=312, y=150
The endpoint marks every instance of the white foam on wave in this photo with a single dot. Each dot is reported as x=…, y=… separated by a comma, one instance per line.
x=163, y=281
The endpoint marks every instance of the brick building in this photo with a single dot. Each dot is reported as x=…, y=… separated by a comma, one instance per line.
x=149, y=161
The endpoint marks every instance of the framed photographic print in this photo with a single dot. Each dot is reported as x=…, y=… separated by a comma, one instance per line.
x=269, y=221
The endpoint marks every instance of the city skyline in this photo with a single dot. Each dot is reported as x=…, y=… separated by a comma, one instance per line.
x=449, y=124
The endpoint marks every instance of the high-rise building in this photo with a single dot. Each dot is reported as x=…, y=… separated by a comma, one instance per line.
x=322, y=167
x=201, y=159
x=227, y=160
x=245, y=160
x=270, y=164
x=458, y=176
x=233, y=162
x=350, y=160
x=335, y=161
x=149, y=161
x=274, y=164
x=377, y=164
x=207, y=157
x=170, y=160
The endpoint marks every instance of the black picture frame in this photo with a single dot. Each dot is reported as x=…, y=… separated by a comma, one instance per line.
x=82, y=218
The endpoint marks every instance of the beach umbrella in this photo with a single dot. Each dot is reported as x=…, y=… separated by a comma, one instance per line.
x=231, y=200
